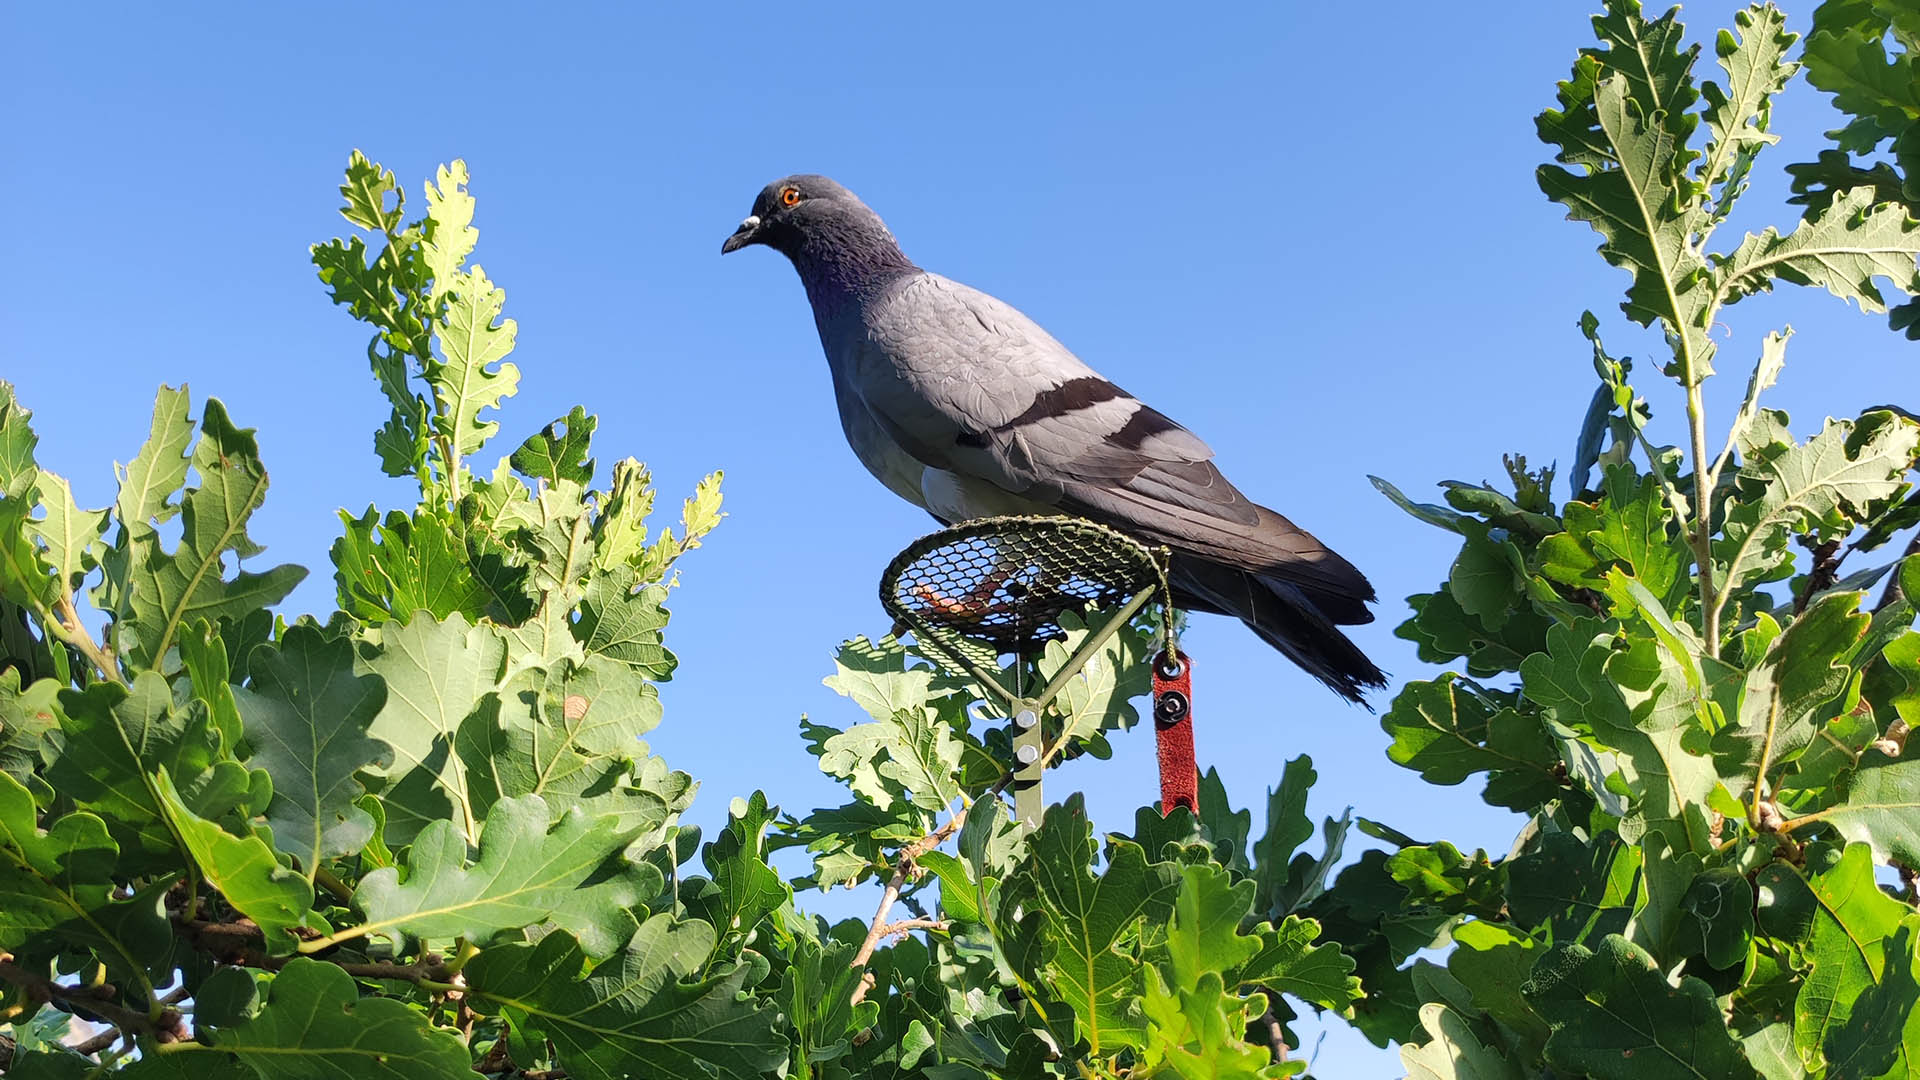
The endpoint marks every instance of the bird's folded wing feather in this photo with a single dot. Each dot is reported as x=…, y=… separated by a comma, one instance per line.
x=967, y=383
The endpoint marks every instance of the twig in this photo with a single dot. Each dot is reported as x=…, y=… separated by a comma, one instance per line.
x=67, y=626
x=235, y=942
x=1826, y=567
x=331, y=882
x=903, y=927
x=1267, y=1031
x=107, y=1038
x=1702, y=533
x=1893, y=593
x=498, y=1059
x=1754, y=815
x=877, y=929
x=240, y=944
x=94, y=1004
x=99, y=1042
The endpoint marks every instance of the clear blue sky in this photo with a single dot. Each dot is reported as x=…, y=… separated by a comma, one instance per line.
x=1313, y=236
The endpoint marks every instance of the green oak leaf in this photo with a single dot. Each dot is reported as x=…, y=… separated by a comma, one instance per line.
x=170, y=590
x=816, y=992
x=148, y=483
x=245, y=872
x=471, y=373
x=1452, y=1051
x=1847, y=57
x=910, y=753
x=549, y=534
x=117, y=737
x=59, y=883
x=1717, y=917
x=620, y=530
x=1440, y=875
x=527, y=874
x=746, y=890
x=1902, y=655
x=959, y=893
x=306, y=714
x=1882, y=1034
x=1667, y=875
x=366, y=189
x=449, y=236
x=1288, y=826
x=316, y=1026
x=1582, y=891
x=1200, y=1031
x=1443, y=631
x=570, y=734
x=1488, y=575
x=229, y=996
x=1585, y=682
x=1100, y=698
x=1615, y=1017
x=1204, y=934
x=1447, y=732
x=17, y=443
x=1819, y=487
x=27, y=715
x=1630, y=526
x=1092, y=925
x=1880, y=807
x=388, y=570
x=1493, y=959
x=25, y=578
x=209, y=669
x=559, y=450
x=1432, y=513
x=1842, y=249
x=1622, y=130
x=442, y=677
x=1226, y=828
x=1738, y=117
x=1498, y=509
x=635, y=1014
x=1288, y=961
x=69, y=536
x=1783, y=697
x=1838, y=916
x=621, y=618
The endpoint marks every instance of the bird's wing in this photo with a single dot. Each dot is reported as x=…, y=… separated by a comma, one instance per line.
x=968, y=384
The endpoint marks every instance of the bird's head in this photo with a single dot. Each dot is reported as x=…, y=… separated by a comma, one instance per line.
x=792, y=210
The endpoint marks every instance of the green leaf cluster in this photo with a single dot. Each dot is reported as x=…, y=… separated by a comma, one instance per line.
x=1682, y=674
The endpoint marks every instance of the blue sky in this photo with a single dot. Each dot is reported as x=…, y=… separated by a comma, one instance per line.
x=1313, y=239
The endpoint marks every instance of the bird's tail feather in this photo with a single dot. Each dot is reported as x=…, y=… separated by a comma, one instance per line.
x=1284, y=617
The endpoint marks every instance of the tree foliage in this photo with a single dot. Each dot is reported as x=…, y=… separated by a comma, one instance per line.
x=423, y=836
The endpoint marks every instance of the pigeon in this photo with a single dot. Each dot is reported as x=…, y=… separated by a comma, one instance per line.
x=965, y=407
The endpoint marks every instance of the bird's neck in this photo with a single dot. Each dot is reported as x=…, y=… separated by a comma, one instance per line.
x=849, y=266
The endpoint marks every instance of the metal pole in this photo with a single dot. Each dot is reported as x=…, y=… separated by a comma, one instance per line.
x=1029, y=750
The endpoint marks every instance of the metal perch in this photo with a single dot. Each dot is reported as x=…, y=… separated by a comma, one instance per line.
x=998, y=586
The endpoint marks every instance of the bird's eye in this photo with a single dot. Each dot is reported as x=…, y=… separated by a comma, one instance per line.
x=790, y=196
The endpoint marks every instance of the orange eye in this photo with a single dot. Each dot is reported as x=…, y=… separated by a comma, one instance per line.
x=790, y=196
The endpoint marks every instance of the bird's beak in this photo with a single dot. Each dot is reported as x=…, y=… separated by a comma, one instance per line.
x=747, y=233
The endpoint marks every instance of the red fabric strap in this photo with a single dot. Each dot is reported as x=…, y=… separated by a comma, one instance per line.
x=1173, y=735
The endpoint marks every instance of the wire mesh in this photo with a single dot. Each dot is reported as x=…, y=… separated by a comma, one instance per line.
x=996, y=586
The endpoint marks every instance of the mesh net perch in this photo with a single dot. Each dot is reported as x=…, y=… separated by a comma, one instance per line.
x=997, y=587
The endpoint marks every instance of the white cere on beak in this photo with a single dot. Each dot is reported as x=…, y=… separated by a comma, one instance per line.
x=751, y=221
